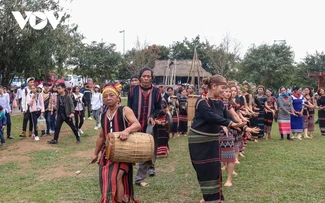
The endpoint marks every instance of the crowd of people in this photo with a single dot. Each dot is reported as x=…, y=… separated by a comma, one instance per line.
x=53, y=103
x=227, y=115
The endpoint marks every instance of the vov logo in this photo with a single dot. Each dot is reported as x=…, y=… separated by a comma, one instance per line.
x=38, y=17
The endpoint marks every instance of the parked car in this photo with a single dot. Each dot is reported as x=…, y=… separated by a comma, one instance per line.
x=70, y=80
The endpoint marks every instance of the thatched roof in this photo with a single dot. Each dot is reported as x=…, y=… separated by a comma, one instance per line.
x=182, y=68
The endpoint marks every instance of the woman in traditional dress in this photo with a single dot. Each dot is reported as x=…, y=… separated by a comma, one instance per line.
x=270, y=109
x=285, y=110
x=259, y=107
x=115, y=178
x=297, y=120
x=239, y=136
x=161, y=123
x=321, y=110
x=183, y=113
x=248, y=111
x=308, y=113
x=173, y=109
x=227, y=141
x=203, y=139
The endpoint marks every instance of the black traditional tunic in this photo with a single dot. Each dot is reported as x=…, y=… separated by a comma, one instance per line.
x=144, y=106
x=321, y=114
x=204, y=146
x=182, y=114
x=260, y=102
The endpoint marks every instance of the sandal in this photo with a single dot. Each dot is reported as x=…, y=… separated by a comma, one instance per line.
x=143, y=184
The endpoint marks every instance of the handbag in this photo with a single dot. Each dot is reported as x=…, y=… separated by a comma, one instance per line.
x=41, y=123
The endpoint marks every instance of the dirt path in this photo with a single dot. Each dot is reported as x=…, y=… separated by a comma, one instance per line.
x=18, y=152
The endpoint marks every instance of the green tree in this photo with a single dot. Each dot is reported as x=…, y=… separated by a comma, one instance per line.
x=143, y=55
x=312, y=63
x=28, y=52
x=268, y=65
x=224, y=58
x=185, y=50
x=97, y=60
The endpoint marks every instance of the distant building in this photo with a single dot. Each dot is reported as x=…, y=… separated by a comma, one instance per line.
x=182, y=71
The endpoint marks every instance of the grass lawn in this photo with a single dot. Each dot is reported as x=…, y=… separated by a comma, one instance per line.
x=272, y=171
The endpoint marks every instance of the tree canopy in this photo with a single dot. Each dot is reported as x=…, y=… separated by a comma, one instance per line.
x=268, y=65
x=29, y=52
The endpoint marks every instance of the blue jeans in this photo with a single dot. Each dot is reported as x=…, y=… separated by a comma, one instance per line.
x=2, y=138
x=47, y=116
x=52, y=121
x=35, y=116
x=8, y=125
x=96, y=114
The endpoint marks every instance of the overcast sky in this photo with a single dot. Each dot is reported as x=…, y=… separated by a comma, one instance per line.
x=300, y=23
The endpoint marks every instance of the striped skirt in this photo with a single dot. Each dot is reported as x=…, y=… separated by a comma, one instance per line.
x=260, y=123
x=284, y=127
x=205, y=157
x=321, y=118
x=163, y=138
x=268, y=120
x=236, y=142
x=108, y=172
x=309, y=122
x=240, y=140
x=182, y=123
x=227, y=150
x=175, y=124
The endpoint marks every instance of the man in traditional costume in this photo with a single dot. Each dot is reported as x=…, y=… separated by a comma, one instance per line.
x=145, y=101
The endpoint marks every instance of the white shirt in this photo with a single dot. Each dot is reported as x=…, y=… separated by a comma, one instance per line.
x=79, y=106
x=96, y=101
x=5, y=102
x=25, y=99
x=20, y=93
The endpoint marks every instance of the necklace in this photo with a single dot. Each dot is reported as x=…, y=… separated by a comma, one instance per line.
x=110, y=115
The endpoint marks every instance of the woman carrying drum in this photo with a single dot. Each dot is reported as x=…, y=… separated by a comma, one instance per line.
x=115, y=178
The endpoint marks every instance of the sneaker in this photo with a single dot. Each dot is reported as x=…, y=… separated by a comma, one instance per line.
x=90, y=118
x=10, y=138
x=96, y=128
x=80, y=131
x=4, y=144
x=33, y=135
x=78, y=141
x=51, y=131
x=52, y=141
x=36, y=138
x=152, y=172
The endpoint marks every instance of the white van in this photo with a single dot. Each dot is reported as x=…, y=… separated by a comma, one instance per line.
x=18, y=81
x=71, y=80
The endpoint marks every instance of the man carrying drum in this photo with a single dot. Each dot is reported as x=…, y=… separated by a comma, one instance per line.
x=115, y=178
x=145, y=101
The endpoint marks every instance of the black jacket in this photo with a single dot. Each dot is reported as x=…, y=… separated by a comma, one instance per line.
x=68, y=104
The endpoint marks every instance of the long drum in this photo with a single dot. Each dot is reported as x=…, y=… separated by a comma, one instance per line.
x=139, y=147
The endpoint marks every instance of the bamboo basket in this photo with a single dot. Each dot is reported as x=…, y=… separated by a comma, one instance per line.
x=191, y=101
x=139, y=147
